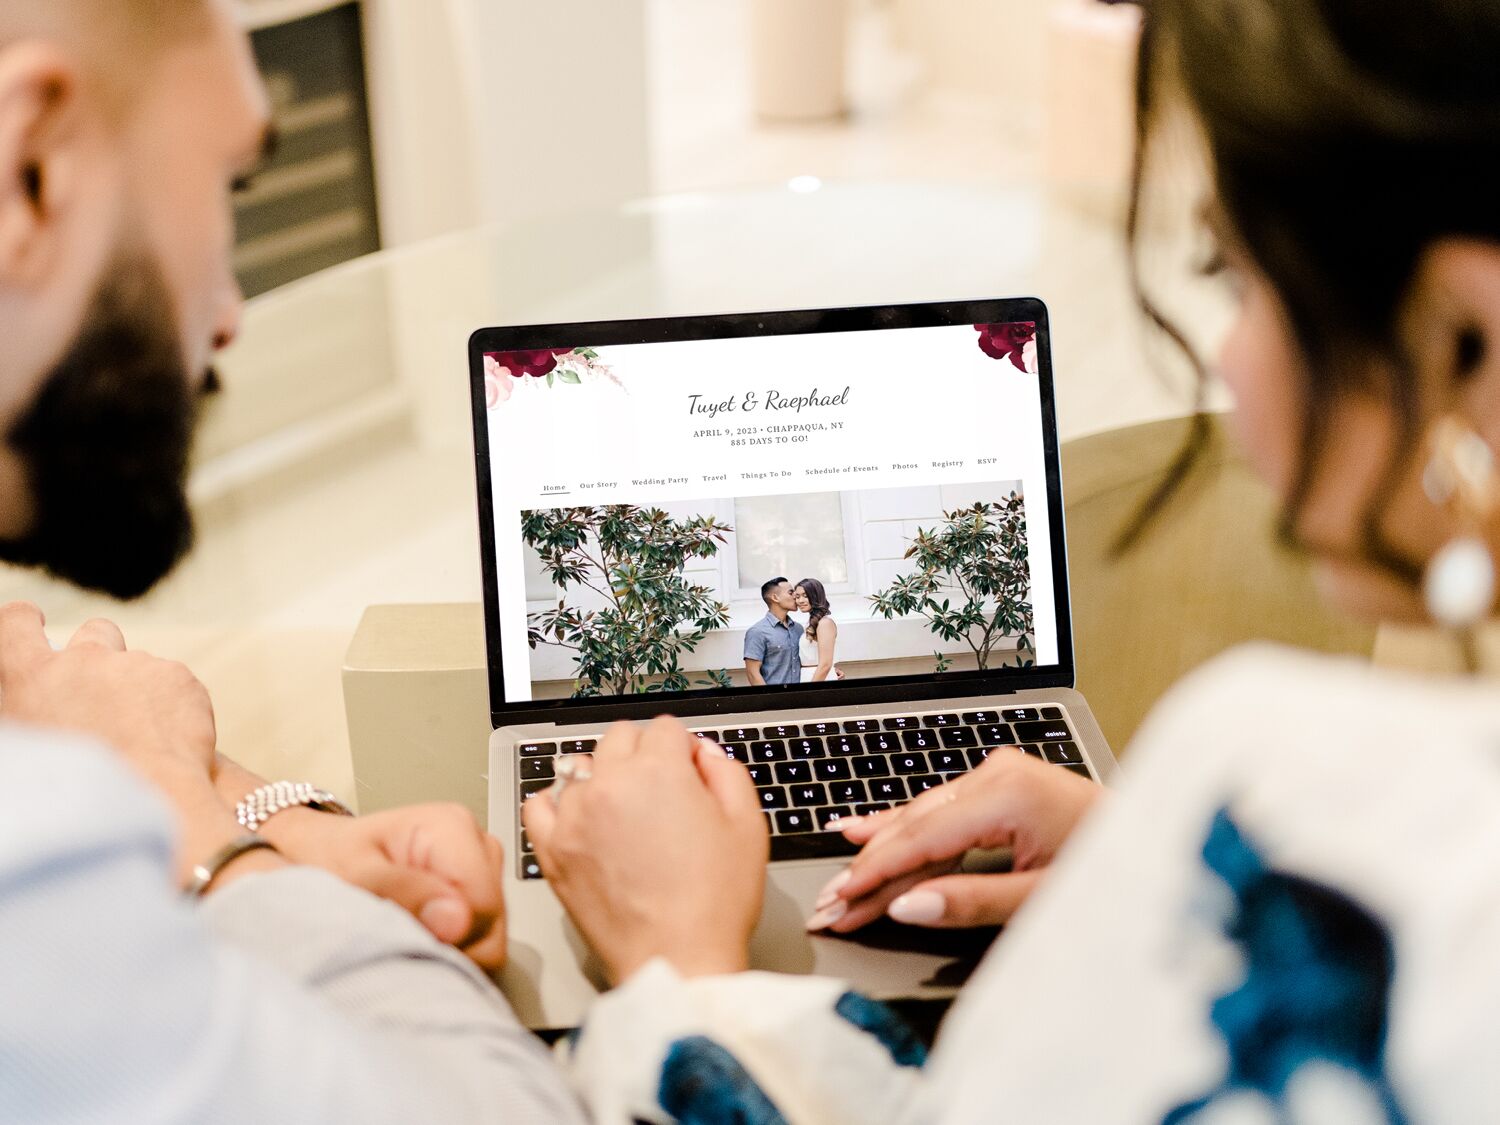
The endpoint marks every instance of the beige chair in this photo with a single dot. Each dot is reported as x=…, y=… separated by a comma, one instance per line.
x=1208, y=575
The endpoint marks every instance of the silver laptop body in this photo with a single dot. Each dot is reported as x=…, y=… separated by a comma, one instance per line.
x=817, y=747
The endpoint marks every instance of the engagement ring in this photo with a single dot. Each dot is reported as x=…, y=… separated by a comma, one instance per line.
x=569, y=769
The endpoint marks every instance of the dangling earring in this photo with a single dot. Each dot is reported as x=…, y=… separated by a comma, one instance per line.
x=1459, y=585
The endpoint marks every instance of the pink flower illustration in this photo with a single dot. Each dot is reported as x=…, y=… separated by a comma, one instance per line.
x=1015, y=342
x=533, y=363
x=497, y=388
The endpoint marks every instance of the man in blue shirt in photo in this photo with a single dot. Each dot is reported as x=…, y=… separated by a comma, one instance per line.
x=773, y=644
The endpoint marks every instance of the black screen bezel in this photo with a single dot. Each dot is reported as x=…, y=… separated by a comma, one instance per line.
x=730, y=326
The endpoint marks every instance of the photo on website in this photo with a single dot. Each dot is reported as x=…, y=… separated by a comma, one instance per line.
x=778, y=589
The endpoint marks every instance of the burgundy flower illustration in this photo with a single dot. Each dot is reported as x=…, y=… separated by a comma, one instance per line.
x=505, y=371
x=1015, y=342
x=536, y=364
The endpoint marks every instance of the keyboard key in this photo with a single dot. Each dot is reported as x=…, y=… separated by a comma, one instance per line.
x=1052, y=713
x=529, y=749
x=1020, y=714
x=533, y=769
x=924, y=782
x=831, y=769
x=882, y=743
x=919, y=739
x=996, y=734
x=847, y=792
x=1063, y=753
x=903, y=722
x=888, y=789
x=981, y=718
x=946, y=720
x=531, y=867
x=872, y=767
x=760, y=773
x=809, y=796
x=1080, y=770
x=828, y=818
x=793, y=773
x=795, y=820
x=845, y=744
x=810, y=845
x=736, y=750
x=948, y=761
x=871, y=808
x=578, y=745
x=979, y=754
x=959, y=737
x=1032, y=748
x=770, y=751
x=782, y=731
x=807, y=747
x=861, y=726
x=741, y=734
x=821, y=730
x=526, y=841
x=773, y=797
x=909, y=763
x=711, y=735
x=1043, y=732
x=530, y=789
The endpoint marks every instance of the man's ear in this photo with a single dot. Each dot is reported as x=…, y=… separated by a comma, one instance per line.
x=1451, y=327
x=40, y=134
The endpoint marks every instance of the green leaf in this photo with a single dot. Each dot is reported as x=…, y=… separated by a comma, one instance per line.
x=550, y=381
x=570, y=376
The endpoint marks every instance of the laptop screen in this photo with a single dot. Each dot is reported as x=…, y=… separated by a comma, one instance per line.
x=790, y=502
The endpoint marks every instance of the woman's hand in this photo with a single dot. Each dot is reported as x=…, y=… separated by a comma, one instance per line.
x=906, y=866
x=660, y=853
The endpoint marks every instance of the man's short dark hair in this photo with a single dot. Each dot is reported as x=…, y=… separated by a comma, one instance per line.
x=767, y=587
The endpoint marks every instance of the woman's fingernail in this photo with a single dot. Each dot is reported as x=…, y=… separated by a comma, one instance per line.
x=447, y=919
x=831, y=890
x=828, y=915
x=918, y=908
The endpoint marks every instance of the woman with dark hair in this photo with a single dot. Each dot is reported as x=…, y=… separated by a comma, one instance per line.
x=821, y=634
x=1291, y=911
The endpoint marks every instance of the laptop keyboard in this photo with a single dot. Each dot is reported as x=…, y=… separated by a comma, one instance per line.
x=811, y=775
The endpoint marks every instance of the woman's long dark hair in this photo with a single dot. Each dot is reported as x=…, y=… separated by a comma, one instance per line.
x=817, y=602
x=1345, y=138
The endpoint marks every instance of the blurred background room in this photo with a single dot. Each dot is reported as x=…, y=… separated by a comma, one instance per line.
x=448, y=164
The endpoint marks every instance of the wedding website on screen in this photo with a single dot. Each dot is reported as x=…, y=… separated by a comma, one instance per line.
x=697, y=515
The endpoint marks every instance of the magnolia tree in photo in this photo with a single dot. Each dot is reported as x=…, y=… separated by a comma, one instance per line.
x=972, y=582
x=645, y=615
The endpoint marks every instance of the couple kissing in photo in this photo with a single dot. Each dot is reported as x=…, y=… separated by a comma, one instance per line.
x=779, y=649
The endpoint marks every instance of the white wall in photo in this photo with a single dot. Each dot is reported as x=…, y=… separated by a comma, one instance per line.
x=853, y=542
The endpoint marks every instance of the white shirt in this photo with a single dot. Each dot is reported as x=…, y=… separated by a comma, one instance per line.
x=1342, y=929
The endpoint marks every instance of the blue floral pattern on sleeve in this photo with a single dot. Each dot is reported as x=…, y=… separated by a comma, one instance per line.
x=703, y=1084
x=1318, y=970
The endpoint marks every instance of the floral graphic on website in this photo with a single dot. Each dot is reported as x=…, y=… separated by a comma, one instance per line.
x=505, y=371
x=1015, y=342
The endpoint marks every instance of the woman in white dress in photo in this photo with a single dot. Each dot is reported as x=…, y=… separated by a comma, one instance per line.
x=821, y=635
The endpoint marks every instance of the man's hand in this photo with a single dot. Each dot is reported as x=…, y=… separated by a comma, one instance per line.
x=661, y=853
x=154, y=712
x=431, y=860
x=906, y=865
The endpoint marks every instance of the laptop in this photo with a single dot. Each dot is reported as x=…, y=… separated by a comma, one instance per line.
x=672, y=511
